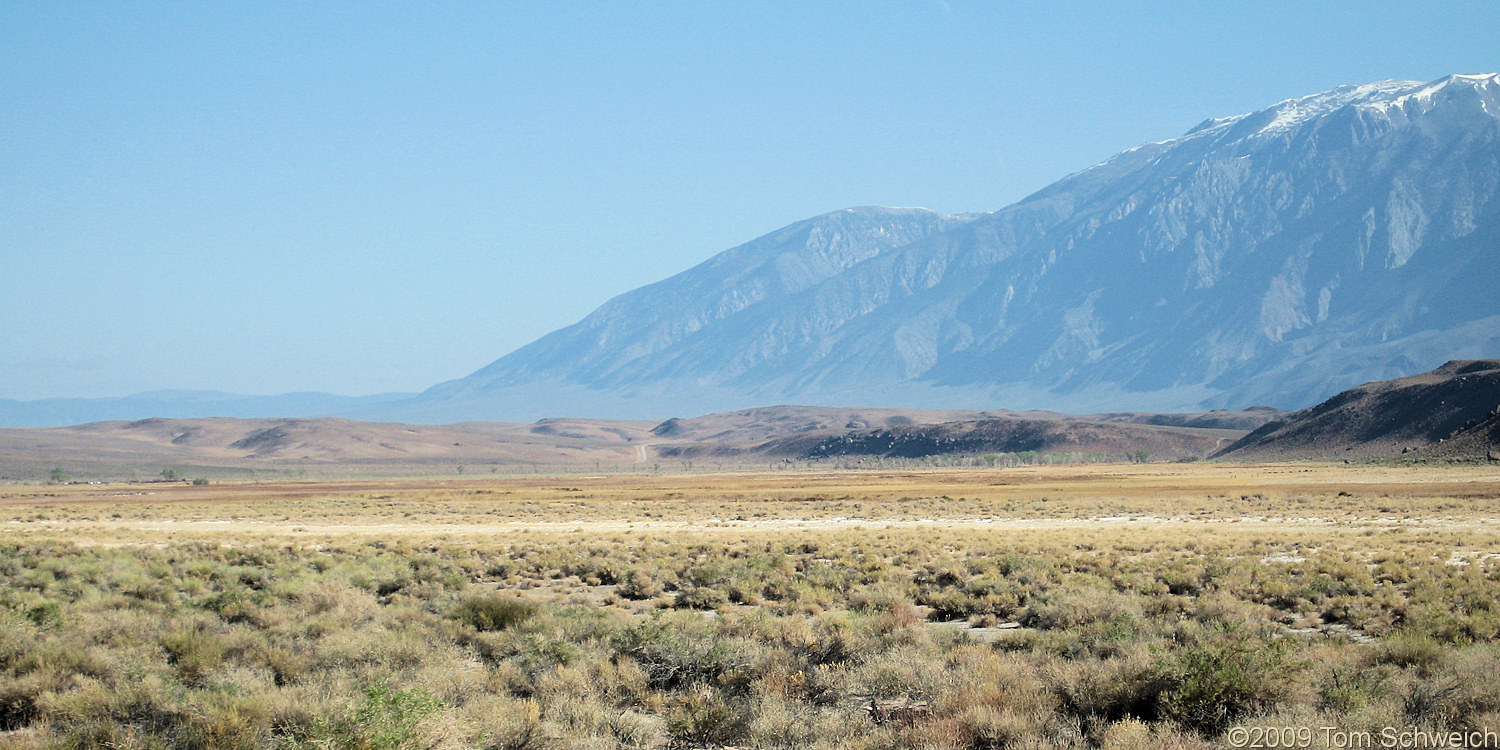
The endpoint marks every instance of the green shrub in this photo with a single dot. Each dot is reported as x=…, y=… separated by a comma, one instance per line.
x=385, y=720
x=227, y=723
x=492, y=612
x=195, y=653
x=44, y=612
x=639, y=585
x=1071, y=609
x=701, y=597
x=1128, y=686
x=677, y=653
x=1225, y=676
x=1408, y=650
x=134, y=713
x=1347, y=691
x=705, y=717
x=19, y=696
x=537, y=653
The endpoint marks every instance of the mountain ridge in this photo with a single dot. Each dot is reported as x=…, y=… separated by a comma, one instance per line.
x=1272, y=257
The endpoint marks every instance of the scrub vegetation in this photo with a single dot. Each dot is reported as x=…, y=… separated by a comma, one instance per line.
x=1146, y=608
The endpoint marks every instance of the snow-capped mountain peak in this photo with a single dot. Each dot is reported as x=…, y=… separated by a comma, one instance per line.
x=1290, y=113
x=1381, y=96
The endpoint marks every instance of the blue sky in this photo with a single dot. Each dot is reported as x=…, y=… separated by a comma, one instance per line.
x=367, y=197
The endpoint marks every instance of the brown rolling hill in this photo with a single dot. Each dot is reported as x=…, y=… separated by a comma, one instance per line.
x=1456, y=403
x=226, y=447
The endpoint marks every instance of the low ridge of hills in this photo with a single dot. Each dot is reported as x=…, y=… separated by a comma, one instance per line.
x=268, y=442
x=809, y=433
x=1014, y=434
x=1448, y=413
x=230, y=446
x=1451, y=413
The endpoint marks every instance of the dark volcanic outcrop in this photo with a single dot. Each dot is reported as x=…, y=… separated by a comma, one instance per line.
x=1454, y=403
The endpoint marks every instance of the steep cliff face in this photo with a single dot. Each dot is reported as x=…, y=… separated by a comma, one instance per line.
x=1275, y=258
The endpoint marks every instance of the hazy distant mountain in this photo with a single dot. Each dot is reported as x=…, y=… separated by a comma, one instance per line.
x=1271, y=258
x=67, y=411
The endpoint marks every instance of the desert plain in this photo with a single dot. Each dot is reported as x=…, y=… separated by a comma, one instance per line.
x=1114, y=605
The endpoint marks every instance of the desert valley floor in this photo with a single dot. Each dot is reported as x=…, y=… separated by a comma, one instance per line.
x=1097, y=605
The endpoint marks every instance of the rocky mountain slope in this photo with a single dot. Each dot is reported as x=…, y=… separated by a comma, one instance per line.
x=1457, y=402
x=1273, y=258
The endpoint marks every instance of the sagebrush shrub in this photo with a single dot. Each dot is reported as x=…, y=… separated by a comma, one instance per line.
x=493, y=612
